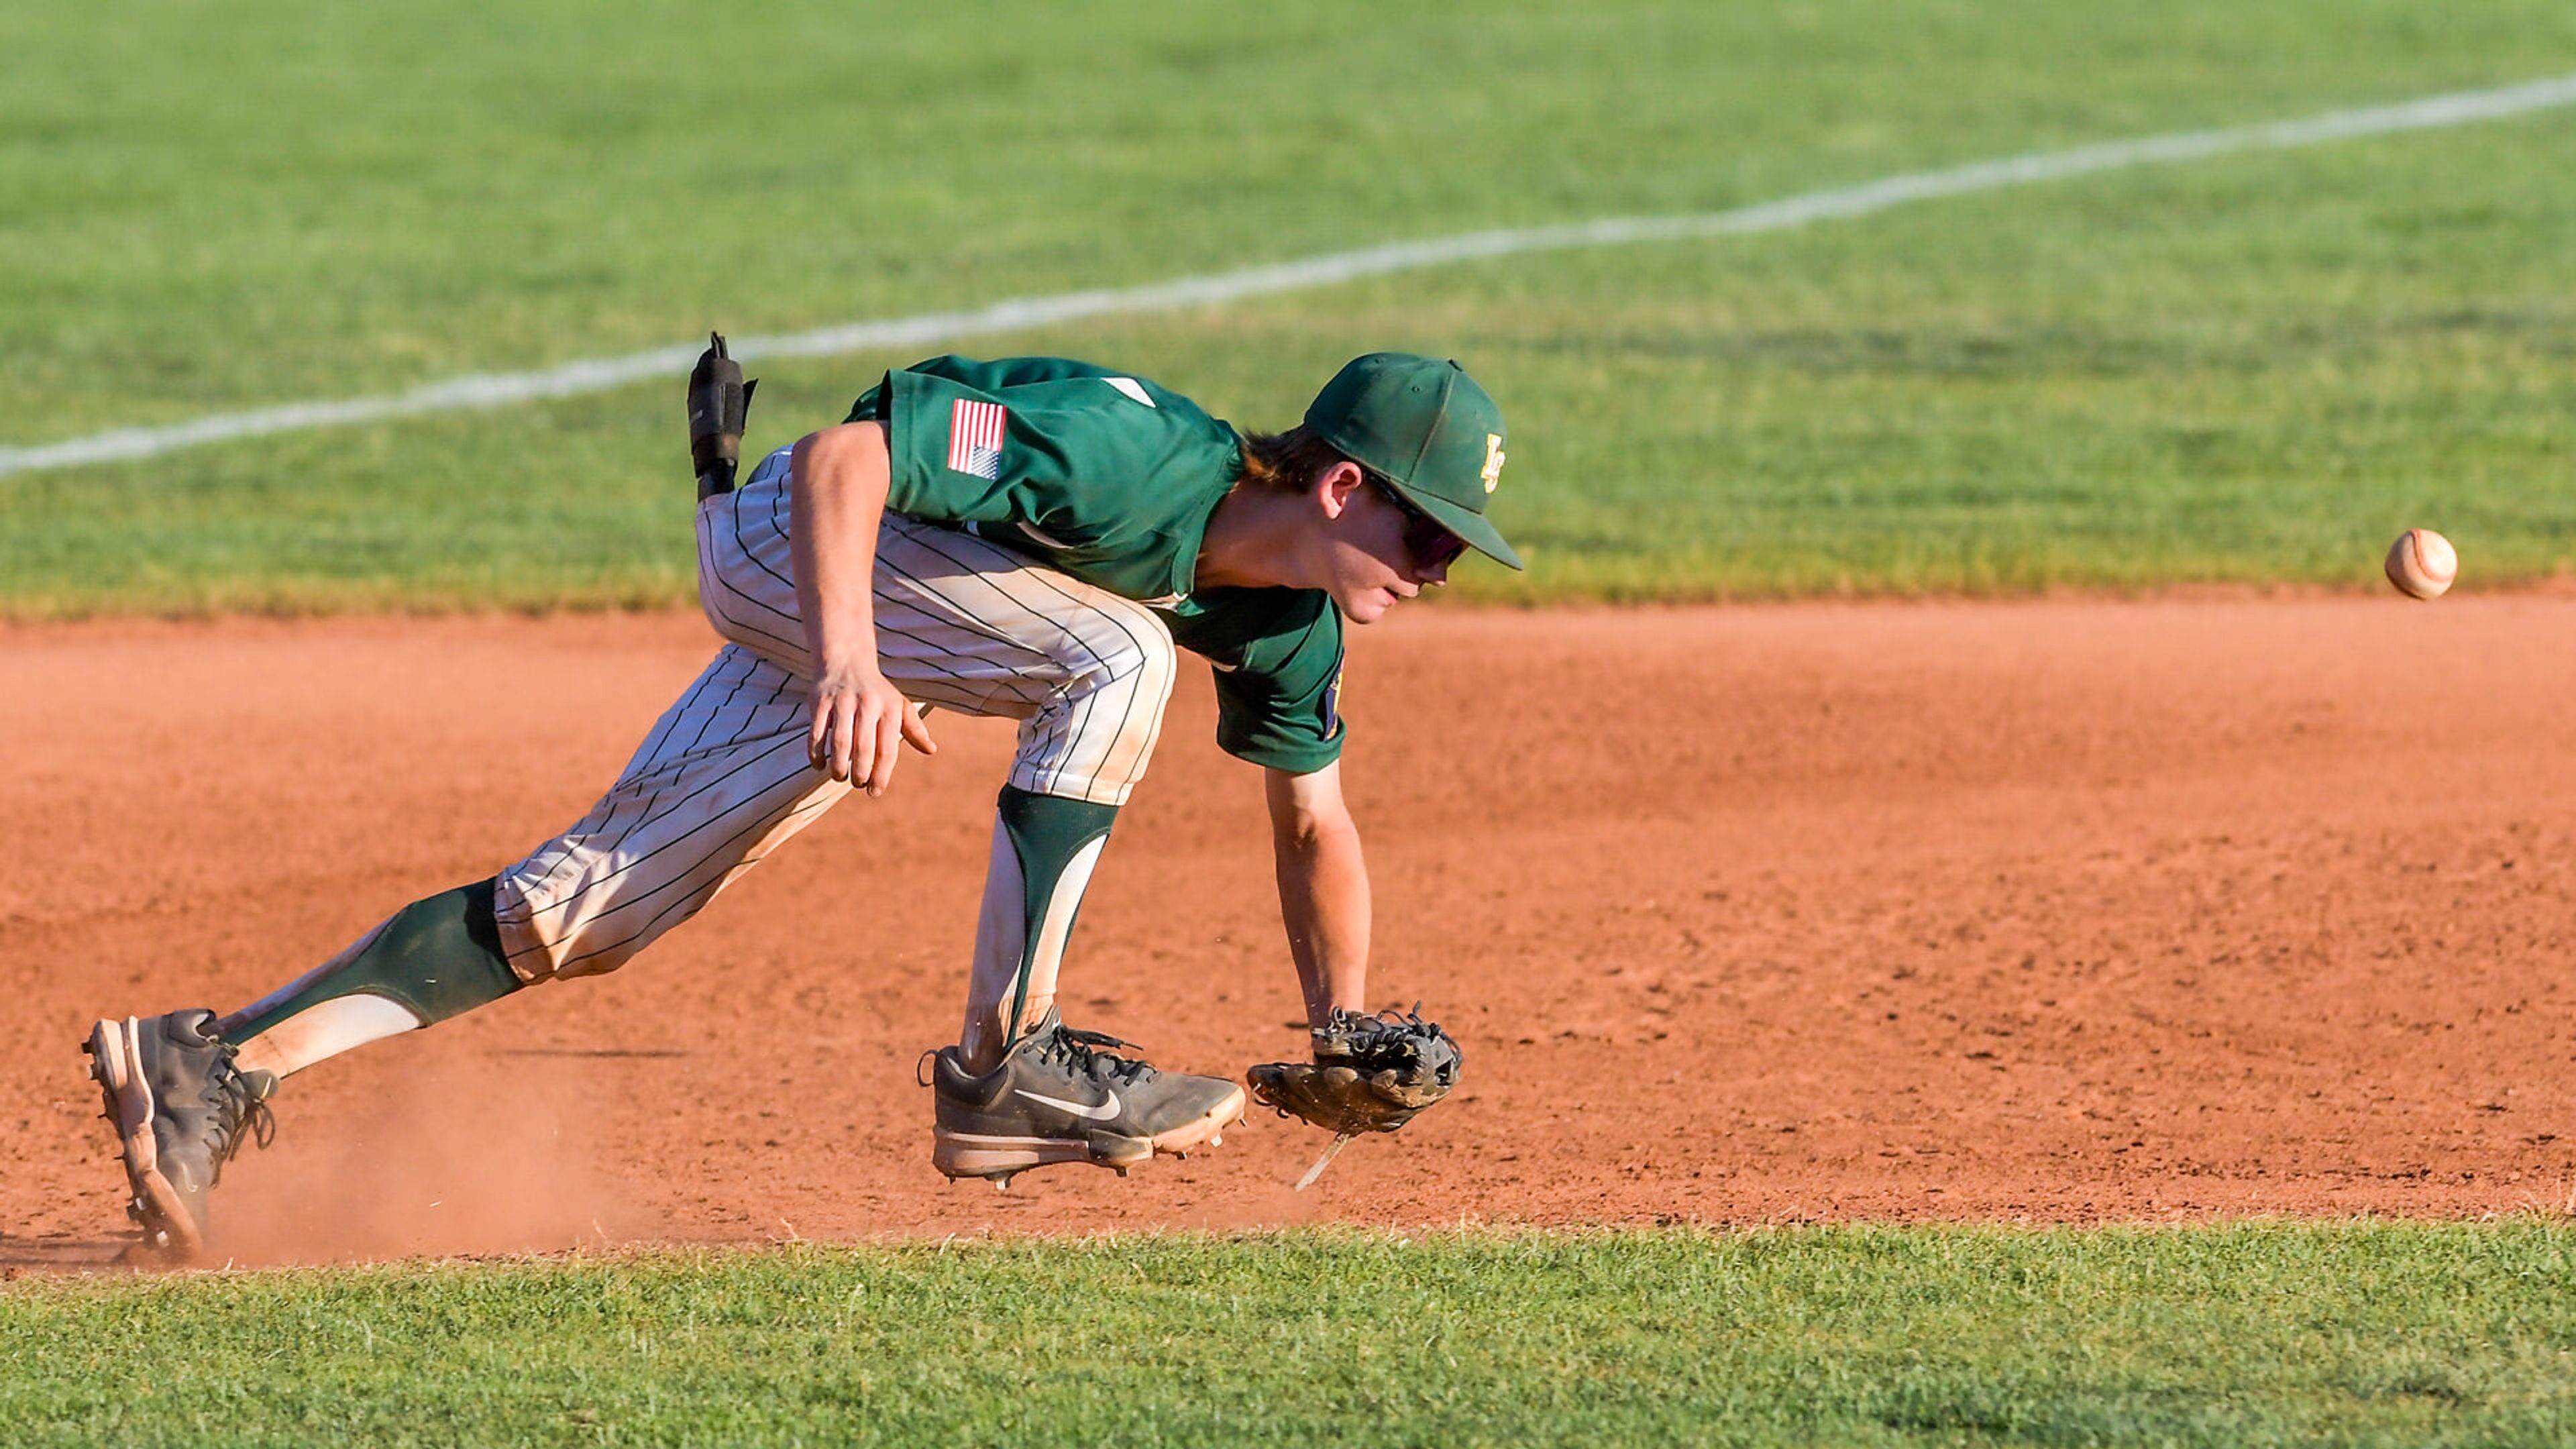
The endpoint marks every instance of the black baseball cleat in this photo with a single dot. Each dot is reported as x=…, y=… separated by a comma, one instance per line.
x=1064, y=1096
x=180, y=1108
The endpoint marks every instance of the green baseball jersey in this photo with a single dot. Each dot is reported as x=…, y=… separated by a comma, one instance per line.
x=1112, y=479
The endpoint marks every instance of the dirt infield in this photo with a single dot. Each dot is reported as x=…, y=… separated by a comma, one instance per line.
x=2048, y=911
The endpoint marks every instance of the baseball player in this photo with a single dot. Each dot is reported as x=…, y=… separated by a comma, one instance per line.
x=1031, y=538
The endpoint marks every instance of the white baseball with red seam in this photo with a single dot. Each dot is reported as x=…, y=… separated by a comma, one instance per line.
x=2422, y=563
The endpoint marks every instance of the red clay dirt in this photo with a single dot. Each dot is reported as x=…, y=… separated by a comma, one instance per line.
x=2051, y=912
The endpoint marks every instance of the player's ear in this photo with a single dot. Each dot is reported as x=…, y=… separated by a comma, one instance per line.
x=1335, y=485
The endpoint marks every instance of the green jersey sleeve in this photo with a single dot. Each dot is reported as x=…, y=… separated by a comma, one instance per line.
x=1278, y=658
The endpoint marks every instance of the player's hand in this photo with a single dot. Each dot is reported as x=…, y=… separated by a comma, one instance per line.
x=859, y=716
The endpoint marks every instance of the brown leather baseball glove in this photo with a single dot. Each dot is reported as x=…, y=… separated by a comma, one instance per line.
x=1370, y=1073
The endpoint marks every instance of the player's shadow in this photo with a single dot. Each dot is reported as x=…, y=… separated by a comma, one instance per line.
x=583, y=1052
x=65, y=1254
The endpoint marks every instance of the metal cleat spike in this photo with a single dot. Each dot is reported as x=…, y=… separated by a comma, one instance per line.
x=1001, y=1182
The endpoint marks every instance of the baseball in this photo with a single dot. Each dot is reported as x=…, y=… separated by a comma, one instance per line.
x=2422, y=563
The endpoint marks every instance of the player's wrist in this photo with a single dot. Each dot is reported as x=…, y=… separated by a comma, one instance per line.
x=847, y=662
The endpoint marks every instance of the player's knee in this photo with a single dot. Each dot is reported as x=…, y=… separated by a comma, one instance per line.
x=1145, y=663
x=545, y=928
x=596, y=963
x=1093, y=737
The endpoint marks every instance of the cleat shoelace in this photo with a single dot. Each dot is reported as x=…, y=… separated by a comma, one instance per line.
x=236, y=1103
x=1094, y=1054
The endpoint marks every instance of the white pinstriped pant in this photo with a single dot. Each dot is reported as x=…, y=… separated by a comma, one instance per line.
x=723, y=780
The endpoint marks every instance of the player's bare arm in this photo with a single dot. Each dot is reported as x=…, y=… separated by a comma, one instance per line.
x=1368, y=1073
x=1323, y=888
x=838, y=496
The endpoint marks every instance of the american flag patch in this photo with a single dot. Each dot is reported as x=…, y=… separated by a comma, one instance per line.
x=975, y=438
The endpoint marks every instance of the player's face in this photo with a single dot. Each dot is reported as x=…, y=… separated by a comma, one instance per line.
x=1385, y=550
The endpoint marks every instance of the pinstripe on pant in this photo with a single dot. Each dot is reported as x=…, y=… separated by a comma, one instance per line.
x=722, y=780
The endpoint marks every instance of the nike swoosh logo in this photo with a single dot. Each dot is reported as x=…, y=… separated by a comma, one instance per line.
x=1101, y=1113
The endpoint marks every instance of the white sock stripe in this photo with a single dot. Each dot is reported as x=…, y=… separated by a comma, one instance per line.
x=1054, y=925
x=574, y=379
x=1001, y=922
x=324, y=1030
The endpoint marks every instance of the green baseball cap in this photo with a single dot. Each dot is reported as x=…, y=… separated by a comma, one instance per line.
x=1426, y=427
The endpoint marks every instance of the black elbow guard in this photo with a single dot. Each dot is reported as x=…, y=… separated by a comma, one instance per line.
x=719, y=406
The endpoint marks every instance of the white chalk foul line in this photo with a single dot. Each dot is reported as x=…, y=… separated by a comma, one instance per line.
x=491, y=390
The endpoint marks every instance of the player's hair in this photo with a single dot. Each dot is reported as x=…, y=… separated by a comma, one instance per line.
x=1286, y=462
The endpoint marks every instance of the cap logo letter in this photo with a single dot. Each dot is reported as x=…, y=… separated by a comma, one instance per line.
x=1493, y=460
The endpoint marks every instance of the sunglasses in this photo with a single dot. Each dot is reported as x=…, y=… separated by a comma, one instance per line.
x=1430, y=542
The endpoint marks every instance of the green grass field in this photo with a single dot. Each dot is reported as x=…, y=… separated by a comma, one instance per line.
x=2346, y=1333
x=2251, y=368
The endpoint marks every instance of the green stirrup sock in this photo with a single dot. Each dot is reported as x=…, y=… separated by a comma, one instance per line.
x=1047, y=832
x=435, y=958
